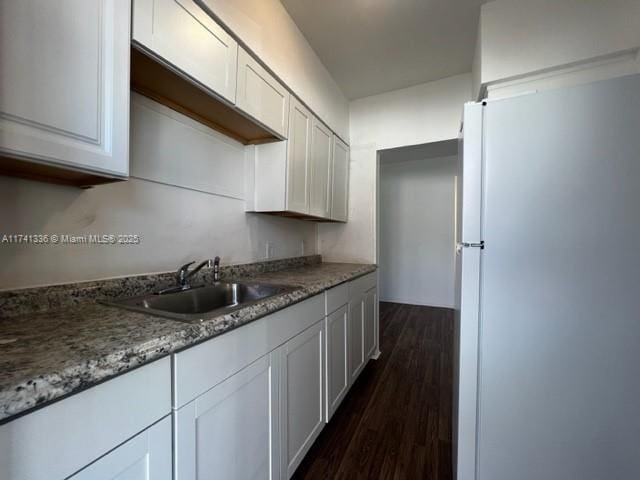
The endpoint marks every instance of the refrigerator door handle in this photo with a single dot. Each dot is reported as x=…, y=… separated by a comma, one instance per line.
x=462, y=245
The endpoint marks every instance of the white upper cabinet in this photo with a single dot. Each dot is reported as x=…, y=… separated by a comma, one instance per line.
x=64, y=84
x=320, y=180
x=180, y=33
x=262, y=96
x=340, y=181
x=306, y=176
x=298, y=158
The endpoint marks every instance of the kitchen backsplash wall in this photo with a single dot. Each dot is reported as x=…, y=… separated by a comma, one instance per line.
x=199, y=219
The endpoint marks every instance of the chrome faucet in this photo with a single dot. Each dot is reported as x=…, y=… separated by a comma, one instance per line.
x=184, y=274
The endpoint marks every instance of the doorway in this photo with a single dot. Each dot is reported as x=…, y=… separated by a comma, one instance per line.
x=416, y=224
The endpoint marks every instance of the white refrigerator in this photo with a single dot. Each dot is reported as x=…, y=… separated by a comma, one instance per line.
x=547, y=335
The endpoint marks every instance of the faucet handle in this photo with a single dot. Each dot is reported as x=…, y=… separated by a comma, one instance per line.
x=216, y=269
x=182, y=272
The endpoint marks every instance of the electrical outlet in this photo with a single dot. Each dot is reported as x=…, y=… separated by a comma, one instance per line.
x=268, y=250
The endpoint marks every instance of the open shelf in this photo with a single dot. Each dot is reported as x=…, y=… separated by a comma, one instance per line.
x=42, y=172
x=154, y=79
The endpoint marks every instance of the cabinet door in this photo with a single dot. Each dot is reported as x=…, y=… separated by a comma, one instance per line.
x=64, y=83
x=262, y=96
x=231, y=431
x=146, y=456
x=298, y=157
x=301, y=395
x=337, y=348
x=356, y=337
x=340, y=181
x=370, y=322
x=320, y=181
x=183, y=35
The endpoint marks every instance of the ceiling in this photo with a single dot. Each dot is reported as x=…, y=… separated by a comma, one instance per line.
x=375, y=46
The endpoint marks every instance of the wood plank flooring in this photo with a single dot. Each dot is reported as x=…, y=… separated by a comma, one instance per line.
x=395, y=423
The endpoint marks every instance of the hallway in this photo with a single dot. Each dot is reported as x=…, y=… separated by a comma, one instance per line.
x=395, y=423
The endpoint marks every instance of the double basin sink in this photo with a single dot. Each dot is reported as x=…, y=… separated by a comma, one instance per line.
x=196, y=304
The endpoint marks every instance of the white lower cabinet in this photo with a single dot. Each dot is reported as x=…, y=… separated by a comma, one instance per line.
x=337, y=365
x=65, y=437
x=356, y=334
x=301, y=395
x=231, y=431
x=147, y=456
x=363, y=323
x=245, y=405
x=370, y=322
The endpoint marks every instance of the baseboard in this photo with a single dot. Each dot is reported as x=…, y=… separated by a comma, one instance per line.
x=420, y=303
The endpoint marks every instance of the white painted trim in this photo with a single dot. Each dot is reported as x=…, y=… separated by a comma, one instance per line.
x=418, y=161
x=411, y=301
x=376, y=216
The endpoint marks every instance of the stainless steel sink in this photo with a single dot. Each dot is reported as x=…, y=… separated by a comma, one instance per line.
x=199, y=303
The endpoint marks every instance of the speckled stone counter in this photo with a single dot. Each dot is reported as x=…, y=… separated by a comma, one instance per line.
x=48, y=354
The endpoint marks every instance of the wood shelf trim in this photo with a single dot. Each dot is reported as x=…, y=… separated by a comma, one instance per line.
x=153, y=79
x=42, y=172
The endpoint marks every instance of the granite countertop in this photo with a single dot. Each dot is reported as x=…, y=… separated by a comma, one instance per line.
x=47, y=355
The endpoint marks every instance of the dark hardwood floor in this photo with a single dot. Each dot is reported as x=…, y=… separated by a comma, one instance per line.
x=395, y=423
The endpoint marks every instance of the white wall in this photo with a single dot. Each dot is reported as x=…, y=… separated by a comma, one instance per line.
x=267, y=29
x=417, y=244
x=519, y=37
x=176, y=224
x=476, y=66
x=425, y=113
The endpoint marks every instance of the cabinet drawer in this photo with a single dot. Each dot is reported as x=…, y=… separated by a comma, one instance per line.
x=336, y=297
x=360, y=285
x=58, y=440
x=200, y=368
x=262, y=96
